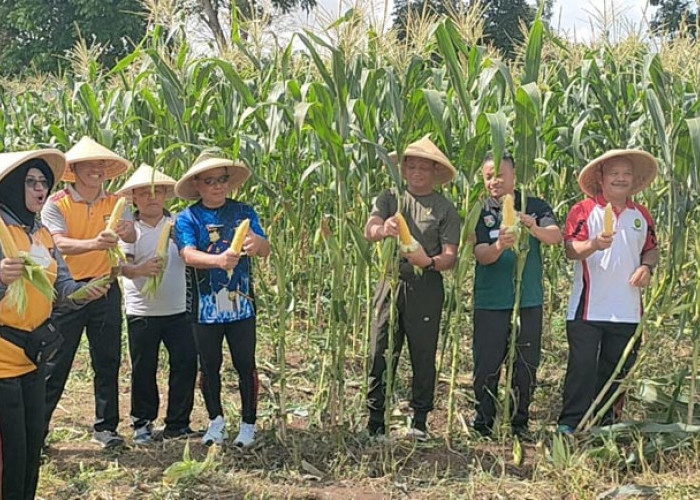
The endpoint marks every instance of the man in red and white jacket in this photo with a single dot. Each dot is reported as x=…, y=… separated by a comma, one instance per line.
x=605, y=306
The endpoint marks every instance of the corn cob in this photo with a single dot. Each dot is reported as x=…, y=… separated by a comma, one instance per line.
x=609, y=220
x=82, y=292
x=239, y=239
x=239, y=236
x=153, y=282
x=407, y=242
x=33, y=274
x=508, y=211
x=116, y=254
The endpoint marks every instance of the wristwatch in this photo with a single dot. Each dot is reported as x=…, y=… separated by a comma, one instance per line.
x=431, y=266
x=650, y=267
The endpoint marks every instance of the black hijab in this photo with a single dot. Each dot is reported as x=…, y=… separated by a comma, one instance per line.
x=12, y=189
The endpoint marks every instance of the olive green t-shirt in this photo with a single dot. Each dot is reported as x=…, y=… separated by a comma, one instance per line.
x=494, y=286
x=432, y=219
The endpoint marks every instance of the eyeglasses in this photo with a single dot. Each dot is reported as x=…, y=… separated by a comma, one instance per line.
x=212, y=181
x=32, y=183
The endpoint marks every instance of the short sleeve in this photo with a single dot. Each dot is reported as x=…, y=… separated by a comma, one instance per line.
x=255, y=224
x=650, y=243
x=545, y=214
x=53, y=219
x=577, y=223
x=482, y=232
x=185, y=231
x=385, y=205
x=450, y=226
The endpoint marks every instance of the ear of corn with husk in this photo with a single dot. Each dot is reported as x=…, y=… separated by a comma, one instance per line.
x=239, y=239
x=509, y=217
x=189, y=468
x=116, y=254
x=609, y=220
x=82, y=293
x=407, y=243
x=33, y=274
x=153, y=282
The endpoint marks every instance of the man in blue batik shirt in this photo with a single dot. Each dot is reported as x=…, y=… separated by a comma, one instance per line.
x=221, y=289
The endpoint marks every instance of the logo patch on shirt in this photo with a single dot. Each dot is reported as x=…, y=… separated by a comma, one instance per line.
x=637, y=223
x=489, y=220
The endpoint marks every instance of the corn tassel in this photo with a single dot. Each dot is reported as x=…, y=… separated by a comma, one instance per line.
x=116, y=254
x=609, y=221
x=82, y=292
x=153, y=282
x=238, y=239
x=33, y=274
x=407, y=242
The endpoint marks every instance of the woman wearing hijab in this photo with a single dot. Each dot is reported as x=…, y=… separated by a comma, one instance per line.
x=26, y=178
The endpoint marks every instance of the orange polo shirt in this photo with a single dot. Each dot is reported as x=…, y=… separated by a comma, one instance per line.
x=13, y=362
x=69, y=214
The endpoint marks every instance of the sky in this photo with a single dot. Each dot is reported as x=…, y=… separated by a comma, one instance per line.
x=579, y=19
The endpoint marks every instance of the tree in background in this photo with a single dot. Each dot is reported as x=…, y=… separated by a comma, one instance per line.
x=37, y=33
x=671, y=13
x=502, y=18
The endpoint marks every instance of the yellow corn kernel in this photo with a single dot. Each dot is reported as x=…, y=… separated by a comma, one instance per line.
x=404, y=234
x=116, y=215
x=9, y=247
x=508, y=211
x=239, y=236
x=609, y=221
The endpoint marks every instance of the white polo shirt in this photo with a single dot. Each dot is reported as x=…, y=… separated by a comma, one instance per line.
x=170, y=297
x=601, y=289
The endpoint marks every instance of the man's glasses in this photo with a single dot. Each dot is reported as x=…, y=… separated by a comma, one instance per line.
x=32, y=183
x=212, y=181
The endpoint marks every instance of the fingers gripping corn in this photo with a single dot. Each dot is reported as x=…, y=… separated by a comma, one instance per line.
x=239, y=238
x=407, y=243
x=116, y=254
x=153, y=282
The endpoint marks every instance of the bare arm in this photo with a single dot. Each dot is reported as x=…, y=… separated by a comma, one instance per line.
x=550, y=235
x=203, y=260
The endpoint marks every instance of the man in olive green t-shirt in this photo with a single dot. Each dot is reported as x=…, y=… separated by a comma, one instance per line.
x=434, y=223
x=494, y=296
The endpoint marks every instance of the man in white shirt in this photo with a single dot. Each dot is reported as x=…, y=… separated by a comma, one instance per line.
x=154, y=296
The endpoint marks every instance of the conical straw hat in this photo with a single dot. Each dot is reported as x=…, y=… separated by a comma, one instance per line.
x=88, y=150
x=185, y=187
x=145, y=176
x=644, y=167
x=425, y=148
x=53, y=157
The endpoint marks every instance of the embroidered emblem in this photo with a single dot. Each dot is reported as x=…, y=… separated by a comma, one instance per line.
x=637, y=223
x=489, y=220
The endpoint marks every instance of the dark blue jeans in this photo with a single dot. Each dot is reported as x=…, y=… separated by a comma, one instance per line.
x=102, y=320
x=145, y=335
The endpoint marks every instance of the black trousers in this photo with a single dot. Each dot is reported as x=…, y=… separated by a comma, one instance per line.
x=241, y=340
x=595, y=347
x=145, y=336
x=102, y=320
x=419, y=308
x=491, y=337
x=21, y=434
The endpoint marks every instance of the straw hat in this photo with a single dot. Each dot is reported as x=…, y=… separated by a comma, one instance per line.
x=237, y=171
x=53, y=157
x=644, y=167
x=88, y=150
x=424, y=148
x=146, y=176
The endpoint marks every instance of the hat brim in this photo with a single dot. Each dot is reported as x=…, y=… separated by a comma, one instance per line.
x=128, y=191
x=186, y=189
x=446, y=173
x=644, y=166
x=54, y=158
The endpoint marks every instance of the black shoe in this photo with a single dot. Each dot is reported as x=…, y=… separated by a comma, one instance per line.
x=376, y=429
x=523, y=433
x=483, y=429
x=179, y=433
x=108, y=439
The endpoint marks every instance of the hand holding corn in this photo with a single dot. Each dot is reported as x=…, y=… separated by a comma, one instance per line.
x=11, y=270
x=94, y=290
x=227, y=260
x=391, y=227
x=506, y=239
x=603, y=241
x=106, y=240
x=151, y=267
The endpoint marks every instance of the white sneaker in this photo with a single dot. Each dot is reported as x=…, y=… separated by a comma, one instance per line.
x=216, y=433
x=246, y=436
x=417, y=434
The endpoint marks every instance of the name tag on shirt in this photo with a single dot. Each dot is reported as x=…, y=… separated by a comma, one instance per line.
x=493, y=234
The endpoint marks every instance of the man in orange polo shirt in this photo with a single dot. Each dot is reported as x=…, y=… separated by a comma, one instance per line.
x=76, y=217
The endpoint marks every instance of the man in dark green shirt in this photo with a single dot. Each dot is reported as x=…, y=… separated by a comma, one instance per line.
x=434, y=224
x=494, y=296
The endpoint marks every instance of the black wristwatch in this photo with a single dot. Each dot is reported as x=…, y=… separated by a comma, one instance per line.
x=431, y=266
x=650, y=267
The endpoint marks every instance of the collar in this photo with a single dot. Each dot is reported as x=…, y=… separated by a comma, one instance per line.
x=78, y=197
x=600, y=200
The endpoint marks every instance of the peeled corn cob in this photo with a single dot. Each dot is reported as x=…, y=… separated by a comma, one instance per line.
x=82, y=293
x=239, y=236
x=116, y=254
x=609, y=220
x=508, y=211
x=407, y=242
x=153, y=282
x=33, y=273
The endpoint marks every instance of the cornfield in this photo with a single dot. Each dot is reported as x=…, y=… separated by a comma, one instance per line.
x=315, y=121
